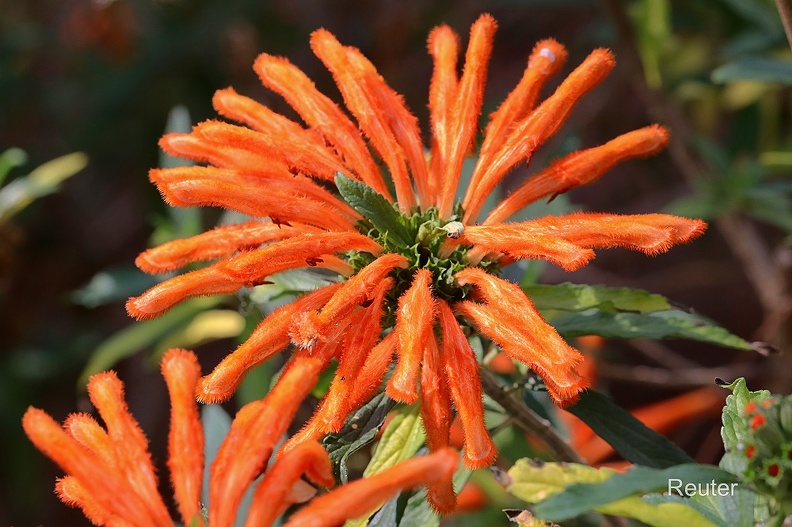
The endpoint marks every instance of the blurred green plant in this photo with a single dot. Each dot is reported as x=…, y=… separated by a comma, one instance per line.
x=41, y=181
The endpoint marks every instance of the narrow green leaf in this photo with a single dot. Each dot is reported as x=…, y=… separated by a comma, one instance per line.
x=143, y=334
x=43, y=180
x=374, y=207
x=627, y=435
x=13, y=157
x=575, y=309
x=400, y=440
x=762, y=69
x=359, y=430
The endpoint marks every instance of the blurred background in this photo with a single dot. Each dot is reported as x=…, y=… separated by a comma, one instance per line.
x=102, y=77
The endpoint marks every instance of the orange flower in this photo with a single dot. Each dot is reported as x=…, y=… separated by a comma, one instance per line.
x=419, y=265
x=110, y=475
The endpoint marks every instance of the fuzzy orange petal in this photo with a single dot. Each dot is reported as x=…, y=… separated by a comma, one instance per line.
x=443, y=45
x=181, y=371
x=269, y=337
x=281, y=195
x=467, y=107
x=461, y=369
x=436, y=417
x=106, y=392
x=511, y=320
x=257, y=428
x=203, y=150
x=581, y=168
x=304, y=153
x=271, y=497
x=312, y=327
x=71, y=492
x=323, y=115
x=220, y=242
x=247, y=269
x=361, y=98
x=530, y=133
x=367, y=383
x=547, y=59
x=103, y=491
x=414, y=323
x=359, y=497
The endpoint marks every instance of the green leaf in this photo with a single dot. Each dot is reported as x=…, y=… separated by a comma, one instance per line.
x=111, y=285
x=735, y=427
x=573, y=489
x=400, y=441
x=206, y=326
x=374, y=207
x=576, y=310
x=43, y=180
x=143, y=334
x=13, y=157
x=627, y=435
x=762, y=69
x=359, y=430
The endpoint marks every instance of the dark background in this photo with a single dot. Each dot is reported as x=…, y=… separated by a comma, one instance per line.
x=101, y=77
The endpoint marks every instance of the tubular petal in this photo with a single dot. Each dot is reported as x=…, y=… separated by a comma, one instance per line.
x=311, y=327
x=581, y=168
x=107, y=490
x=530, y=133
x=246, y=269
x=220, y=242
x=363, y=495
x=436, y=418
x=302, y=153
x=269, y=337
x=367, y=383
x=362, y=101
x=230, y=104
x=181, y=371
x=467, y=107
x=282, y=196
x=547, y=59
x=414, y=328
x=511, y=320
x=443, y=45
x=201, y=149
x=335, y=407
x=323, y=115
x=106, y=392
x=257, y=428
x=461, y=369
x=73, y=494
x=270, y=499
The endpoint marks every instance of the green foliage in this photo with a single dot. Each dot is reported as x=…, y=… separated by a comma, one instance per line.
x=627, y=435
x=576, y=310
x=375, y=208
x=42, y=181
x=360, y=429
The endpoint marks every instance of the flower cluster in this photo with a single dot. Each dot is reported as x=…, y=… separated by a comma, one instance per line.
x=416, y=260
x=416, y=269
x=110, y=475
x=768, y=448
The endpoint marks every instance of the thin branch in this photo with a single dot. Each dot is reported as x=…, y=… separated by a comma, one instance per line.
x=684, y=378
x=785, y=10
x=528, y=420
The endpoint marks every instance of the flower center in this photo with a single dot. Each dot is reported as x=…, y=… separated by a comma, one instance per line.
x=422, y=242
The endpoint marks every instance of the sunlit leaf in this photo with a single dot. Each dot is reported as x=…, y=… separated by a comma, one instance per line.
x=566, y=490
x=576, y=310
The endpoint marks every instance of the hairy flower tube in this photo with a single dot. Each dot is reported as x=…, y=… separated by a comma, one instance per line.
x=417, y=269
x=110, y=475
